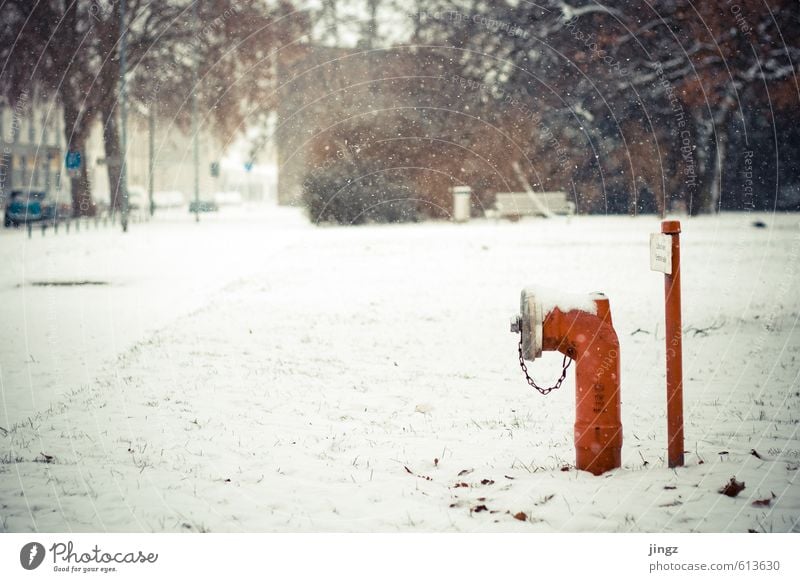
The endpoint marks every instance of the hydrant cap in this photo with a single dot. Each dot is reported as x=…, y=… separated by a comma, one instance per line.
x=532, y=317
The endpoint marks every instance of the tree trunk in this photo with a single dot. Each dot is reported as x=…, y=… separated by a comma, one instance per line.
x=113, y=153
x=75, y=138
x=718, y=164
x=711, y=159
x=699, y=201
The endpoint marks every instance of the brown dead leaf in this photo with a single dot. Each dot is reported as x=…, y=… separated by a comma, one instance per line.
x=766, y=502
x=479, y=508
x=465, y=472
x=521, y=516
x=487, y=482
x=732, y=488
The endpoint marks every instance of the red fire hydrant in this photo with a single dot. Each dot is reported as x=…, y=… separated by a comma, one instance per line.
x=581, y=330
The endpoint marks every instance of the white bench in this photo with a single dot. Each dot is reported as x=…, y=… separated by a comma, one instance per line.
x=515, y=205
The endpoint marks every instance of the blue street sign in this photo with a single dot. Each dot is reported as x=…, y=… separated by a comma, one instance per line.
x=73, y=161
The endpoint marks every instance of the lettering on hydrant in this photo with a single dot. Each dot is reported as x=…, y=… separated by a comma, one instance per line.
x=586, y=335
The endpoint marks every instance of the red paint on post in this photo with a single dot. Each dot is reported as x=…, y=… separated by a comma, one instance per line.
x=674, y=344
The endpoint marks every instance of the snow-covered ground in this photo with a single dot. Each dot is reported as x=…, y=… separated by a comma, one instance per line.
x=254, y=373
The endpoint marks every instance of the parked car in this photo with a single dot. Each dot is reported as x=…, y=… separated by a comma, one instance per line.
x=56, y=209
x=23, y=206
x=203, y=206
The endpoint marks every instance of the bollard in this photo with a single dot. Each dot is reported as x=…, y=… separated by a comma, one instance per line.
x=674, y=340
x=30, y=229
x=587, y=336
x=44, y=227
x=461, y=203
x=665, y=257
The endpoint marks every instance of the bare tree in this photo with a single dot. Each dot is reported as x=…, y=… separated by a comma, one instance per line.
x=72, y=49
x=627, y=85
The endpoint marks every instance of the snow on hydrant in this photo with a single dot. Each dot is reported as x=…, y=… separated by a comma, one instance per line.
x=579, y=327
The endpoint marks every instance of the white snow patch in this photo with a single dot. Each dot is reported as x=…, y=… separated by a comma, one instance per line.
x=564, y=300
x=211, y=387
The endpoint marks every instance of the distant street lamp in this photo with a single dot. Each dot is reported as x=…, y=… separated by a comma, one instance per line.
x=194, y=119
x=122, y=187
x=151, y=165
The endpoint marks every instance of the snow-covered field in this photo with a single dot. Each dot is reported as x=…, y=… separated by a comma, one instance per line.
x=254, y=373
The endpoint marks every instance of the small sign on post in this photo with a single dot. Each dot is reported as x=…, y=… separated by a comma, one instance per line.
x=73, y=160
x=73, y=163
x=661, y=253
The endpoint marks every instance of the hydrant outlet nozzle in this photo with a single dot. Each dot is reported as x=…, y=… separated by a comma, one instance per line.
x=516, y=324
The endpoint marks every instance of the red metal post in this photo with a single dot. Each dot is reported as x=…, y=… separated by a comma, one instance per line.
x=674, y=341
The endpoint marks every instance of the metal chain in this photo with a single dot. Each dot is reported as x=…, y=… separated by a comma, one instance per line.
x=565, y=363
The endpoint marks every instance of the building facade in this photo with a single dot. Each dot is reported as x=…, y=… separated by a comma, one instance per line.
x=31, y=147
